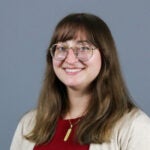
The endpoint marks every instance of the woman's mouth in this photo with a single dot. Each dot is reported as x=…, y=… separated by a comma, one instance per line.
x=72, y=70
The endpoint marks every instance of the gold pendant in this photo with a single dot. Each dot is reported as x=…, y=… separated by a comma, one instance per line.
x=67, y=134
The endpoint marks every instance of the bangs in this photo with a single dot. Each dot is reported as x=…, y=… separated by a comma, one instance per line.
x=75, y=29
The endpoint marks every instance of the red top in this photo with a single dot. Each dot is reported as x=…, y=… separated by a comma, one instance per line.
x=58, y=143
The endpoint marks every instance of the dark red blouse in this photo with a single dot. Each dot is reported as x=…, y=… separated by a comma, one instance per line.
x=58, y=143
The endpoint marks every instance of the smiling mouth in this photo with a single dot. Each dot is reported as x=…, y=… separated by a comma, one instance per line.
x=73, y=70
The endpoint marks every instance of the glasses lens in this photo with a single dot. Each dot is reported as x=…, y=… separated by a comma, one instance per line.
x=58, y=51
x=84, y=53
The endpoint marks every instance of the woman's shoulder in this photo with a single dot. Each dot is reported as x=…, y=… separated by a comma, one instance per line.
x=29, y=115
x=24, y=127
x=132, y=131
x=131, y=128
x=135, y=116
x=27, y=121
x=139, y=122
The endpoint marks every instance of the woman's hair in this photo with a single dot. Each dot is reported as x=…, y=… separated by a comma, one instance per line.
x=110, y=99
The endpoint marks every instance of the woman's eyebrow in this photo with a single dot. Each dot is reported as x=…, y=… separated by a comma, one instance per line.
x=83, y=41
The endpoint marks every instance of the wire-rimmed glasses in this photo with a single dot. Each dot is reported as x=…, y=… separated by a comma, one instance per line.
x=82, y=50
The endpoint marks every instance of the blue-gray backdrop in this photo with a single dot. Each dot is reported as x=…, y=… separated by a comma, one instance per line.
x=25, y=30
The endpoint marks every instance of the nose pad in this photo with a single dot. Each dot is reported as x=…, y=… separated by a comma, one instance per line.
x=71, y=56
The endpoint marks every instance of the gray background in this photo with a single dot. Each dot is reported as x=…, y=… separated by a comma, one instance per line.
x=25, y=30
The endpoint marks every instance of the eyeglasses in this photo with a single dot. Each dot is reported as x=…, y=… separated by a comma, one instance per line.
x=82, y=50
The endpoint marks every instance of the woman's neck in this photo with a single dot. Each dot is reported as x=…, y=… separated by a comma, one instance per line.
x=78, y=102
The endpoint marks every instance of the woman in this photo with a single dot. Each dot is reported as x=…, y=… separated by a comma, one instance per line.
x=84, y=103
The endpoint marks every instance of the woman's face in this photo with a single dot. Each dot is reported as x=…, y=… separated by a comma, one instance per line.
x=75, y=73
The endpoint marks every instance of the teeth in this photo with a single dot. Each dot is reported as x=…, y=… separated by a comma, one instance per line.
x=72, y=70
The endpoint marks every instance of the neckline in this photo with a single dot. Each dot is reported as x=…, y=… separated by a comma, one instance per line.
x=72, y=119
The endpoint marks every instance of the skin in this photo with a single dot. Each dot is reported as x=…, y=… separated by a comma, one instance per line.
x=77, y=76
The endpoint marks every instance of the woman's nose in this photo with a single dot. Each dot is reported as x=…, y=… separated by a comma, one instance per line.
x=71, y=56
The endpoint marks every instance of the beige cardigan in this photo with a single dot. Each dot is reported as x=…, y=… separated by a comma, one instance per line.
x=132, y=132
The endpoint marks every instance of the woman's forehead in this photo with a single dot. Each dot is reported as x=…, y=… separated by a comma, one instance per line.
x=72, y=41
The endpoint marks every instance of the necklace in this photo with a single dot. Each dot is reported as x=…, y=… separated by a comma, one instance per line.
x=70, y=129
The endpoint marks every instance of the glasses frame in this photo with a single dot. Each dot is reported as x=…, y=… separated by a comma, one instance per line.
x=75, y=53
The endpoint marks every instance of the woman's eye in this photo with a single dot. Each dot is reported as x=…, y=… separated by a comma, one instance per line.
x=84, y=48
x=61, y=48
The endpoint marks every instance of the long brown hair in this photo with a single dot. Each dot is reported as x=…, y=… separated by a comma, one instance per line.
x=110, y=98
